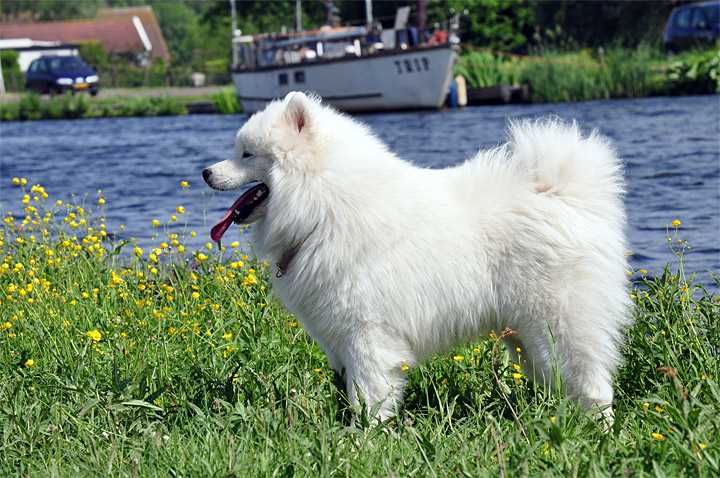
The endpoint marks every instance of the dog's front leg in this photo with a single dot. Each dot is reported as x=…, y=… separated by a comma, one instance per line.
x=376, y=370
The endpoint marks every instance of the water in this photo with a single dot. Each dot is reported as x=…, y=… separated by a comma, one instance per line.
x=671, y=147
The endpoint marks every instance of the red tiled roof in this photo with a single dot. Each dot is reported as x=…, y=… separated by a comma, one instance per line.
x=115, y=31
x=150, y=24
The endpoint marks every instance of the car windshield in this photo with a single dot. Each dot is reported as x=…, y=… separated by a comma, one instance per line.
x=712, y=14
x=66, y=63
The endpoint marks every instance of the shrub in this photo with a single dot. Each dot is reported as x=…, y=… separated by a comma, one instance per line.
x=14, y=78
x=696, y=73
x=30, y=107
x=226, y=102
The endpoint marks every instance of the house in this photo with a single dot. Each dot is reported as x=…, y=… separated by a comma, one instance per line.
x=28, y=50
x=133, y=32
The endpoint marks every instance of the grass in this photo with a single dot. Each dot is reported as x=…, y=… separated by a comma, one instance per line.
x=127, y=362
x=68, y=106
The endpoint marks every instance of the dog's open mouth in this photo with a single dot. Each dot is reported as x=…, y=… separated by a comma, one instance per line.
x=240, y=210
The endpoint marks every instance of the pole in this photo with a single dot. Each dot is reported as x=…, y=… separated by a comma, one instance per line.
x=233, y=16
x=233, y=26
x=368, y=12
x=2, y=81
x=298, y=16
x=421, y=17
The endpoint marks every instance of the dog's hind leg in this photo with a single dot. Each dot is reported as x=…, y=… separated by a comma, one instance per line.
x=376, y=368
x=582, y=361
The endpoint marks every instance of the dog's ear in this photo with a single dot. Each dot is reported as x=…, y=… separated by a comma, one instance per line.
x=297, y=110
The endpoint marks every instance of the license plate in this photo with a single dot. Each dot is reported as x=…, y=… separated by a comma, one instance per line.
x=81, y=86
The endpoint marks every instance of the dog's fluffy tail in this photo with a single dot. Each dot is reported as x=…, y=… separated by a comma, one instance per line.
x=561, y=161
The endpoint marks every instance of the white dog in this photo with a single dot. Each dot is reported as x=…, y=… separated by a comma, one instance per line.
x=386, y=263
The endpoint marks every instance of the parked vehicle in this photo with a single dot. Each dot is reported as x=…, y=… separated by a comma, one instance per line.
x=58, y=74
x=696, y=24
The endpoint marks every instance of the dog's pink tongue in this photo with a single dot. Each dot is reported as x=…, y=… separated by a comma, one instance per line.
x=216, y=233
x=236, y=209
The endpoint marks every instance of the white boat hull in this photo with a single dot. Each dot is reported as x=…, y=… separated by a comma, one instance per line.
x=407, y=79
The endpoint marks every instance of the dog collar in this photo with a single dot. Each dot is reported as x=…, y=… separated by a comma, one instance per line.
x=290, y=253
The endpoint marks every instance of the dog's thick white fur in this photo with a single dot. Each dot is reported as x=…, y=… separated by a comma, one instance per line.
x=394, y=262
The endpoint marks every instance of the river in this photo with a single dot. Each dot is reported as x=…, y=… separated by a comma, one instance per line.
x=671, y=149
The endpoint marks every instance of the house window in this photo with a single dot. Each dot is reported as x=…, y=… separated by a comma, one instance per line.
x=299, y=77
x=282, y=79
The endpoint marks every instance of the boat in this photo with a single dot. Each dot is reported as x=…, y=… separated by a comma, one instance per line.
x=355, y=69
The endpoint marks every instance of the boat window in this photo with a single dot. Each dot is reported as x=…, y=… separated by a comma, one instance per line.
x=300, y=76
x=282, y=79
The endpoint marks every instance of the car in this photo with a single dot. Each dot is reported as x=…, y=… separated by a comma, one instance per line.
x=696, y=24
x=58, y=74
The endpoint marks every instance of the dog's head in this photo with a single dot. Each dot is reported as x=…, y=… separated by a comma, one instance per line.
x=277, y=141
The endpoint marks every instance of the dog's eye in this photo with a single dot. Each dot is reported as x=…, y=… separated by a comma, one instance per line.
x=247, y=155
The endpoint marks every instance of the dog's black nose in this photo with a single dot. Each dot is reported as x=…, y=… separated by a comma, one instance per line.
x=206, y=174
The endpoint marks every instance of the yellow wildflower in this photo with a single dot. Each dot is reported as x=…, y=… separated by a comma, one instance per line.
x=459, y=358
x=227, y=336
x=94, y=335
x=180, y=210
x=184, y=184
x=657, y=436
x=676, y=223
x=29, y=363
x=235, y=244
x=15, y=181
x=138, y=251
x=155, y=223
x=404, y=367
x=195, y=295
x=201, y=257
x=101, y=201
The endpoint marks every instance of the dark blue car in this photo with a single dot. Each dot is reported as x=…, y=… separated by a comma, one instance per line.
x=58, y=74
x=696, y=24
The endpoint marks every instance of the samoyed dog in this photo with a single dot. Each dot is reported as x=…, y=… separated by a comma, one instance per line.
x=386, y=263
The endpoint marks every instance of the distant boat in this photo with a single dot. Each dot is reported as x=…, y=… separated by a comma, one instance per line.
x=349, y=67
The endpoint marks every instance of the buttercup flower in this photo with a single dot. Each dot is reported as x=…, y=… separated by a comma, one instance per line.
x=94, y=335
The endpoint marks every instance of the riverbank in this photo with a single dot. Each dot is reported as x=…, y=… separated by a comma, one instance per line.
x=152, y=357
x=121, y=103
x=556, y=76
x=550, y=76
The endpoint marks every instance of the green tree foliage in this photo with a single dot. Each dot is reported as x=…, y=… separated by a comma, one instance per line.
x=11, y=71
x=48, y=9
x=595, y=23
x=503, y=25
x=181, y=29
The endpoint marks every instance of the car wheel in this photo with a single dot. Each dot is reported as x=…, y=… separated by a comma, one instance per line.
x=93, y=92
